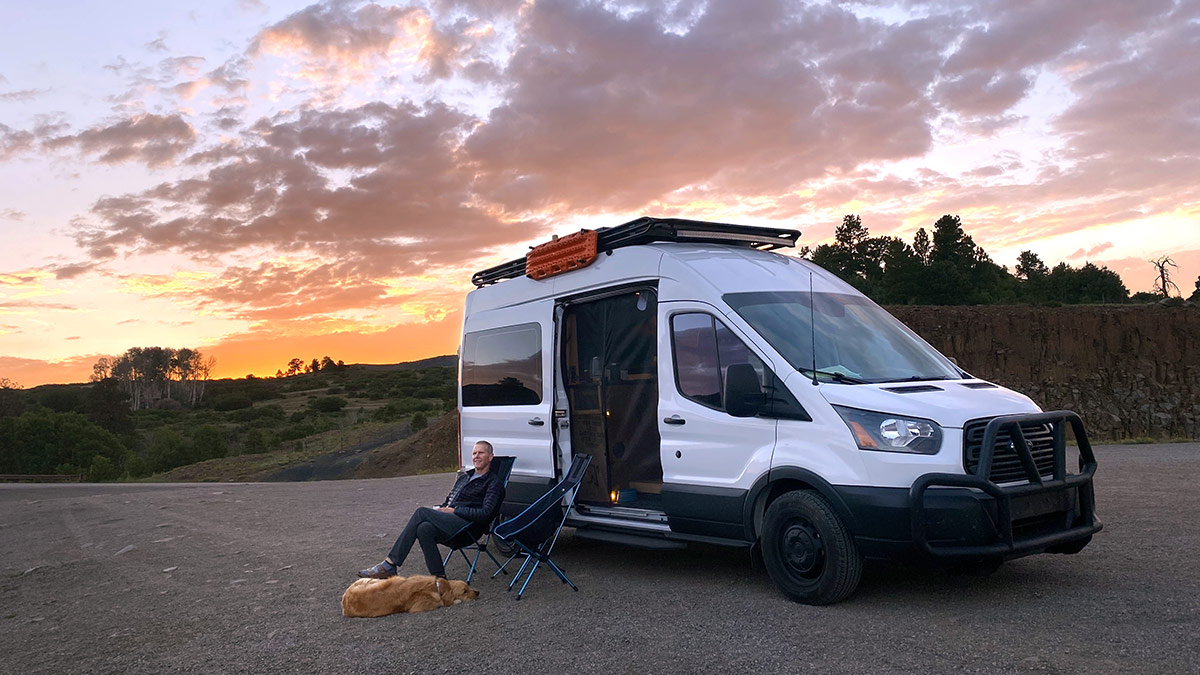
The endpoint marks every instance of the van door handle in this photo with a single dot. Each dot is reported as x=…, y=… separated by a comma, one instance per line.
x=536, y=422
x=674, y=419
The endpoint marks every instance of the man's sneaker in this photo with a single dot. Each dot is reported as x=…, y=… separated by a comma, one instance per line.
x=381, y=571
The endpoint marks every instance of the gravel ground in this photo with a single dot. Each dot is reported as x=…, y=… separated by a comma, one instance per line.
x=232, y=578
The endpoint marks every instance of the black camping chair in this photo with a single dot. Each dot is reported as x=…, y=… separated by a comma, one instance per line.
x=535, y=530
x=477, y=536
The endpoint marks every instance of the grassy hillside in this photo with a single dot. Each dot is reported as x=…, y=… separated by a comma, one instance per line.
x=243, y=429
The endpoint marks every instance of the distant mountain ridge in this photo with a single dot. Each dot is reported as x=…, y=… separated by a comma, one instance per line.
x=449, y=361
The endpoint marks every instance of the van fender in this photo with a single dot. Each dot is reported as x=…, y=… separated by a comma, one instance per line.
x=776, y=482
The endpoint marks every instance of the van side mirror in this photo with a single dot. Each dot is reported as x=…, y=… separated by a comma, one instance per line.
x=743, y=392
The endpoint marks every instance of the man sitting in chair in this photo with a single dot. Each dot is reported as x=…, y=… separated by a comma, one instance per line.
x=475, y=497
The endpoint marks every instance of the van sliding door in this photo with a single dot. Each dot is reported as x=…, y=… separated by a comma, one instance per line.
x=610, y=374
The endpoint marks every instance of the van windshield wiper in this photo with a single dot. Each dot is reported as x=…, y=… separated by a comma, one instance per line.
x=914, y=378
x=840, y=378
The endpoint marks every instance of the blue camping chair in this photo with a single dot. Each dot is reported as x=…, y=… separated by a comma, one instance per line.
x=535, y=530
x=477, y=536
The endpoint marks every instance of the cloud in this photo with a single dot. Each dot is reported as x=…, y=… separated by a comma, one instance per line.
x=14, y=142
x=34, y=372
x=402, y=189
x=153, y=139
x=21, y=95
x=981, y=93
x=230, y=77
x=335, y=40
x=333, y=44
x=33, y=307
x=1091, y=253
x=608, y=112
x=71, y=271
x=12, y=214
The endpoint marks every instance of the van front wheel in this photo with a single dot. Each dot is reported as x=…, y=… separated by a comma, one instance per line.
x=807, y=551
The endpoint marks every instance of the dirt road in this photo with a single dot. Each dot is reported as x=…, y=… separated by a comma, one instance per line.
x=246, y=578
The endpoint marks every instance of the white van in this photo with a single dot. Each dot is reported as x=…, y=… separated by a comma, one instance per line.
x=732, y=395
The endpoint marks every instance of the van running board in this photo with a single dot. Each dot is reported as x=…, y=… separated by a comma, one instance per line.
x=628, y=539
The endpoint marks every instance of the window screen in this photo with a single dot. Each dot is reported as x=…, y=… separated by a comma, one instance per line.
x=503, y=366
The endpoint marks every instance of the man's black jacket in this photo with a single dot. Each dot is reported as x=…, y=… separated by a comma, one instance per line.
x=476, y=500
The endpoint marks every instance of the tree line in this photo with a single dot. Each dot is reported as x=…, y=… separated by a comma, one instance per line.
x=299, y=367
x=947, y=267
x=150, y=375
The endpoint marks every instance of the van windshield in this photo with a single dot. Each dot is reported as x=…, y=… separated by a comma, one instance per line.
x=856, y=340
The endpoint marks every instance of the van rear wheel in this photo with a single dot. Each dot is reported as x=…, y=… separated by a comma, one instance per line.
x=808, y=551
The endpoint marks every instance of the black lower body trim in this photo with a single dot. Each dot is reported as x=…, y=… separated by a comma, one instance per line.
x=705, y=511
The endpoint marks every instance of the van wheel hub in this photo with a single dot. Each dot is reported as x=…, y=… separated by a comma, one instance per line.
x=803, y=551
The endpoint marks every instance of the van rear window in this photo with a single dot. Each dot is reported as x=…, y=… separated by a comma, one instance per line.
x=502, y=366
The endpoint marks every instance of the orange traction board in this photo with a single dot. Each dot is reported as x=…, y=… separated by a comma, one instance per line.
x=561, y=254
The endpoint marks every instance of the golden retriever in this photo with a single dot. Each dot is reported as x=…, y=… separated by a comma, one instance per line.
x=381, y=597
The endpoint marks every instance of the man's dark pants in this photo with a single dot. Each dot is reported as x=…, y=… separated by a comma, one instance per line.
x=430, y=527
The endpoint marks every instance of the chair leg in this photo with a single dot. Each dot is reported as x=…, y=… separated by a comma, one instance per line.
x=489, y=554
x=510, y=559
x=474, y=561
x=561, y=574
x=528, y=578
x=517, y=576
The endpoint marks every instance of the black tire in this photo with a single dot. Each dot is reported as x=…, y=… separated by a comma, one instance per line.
x=808, y=551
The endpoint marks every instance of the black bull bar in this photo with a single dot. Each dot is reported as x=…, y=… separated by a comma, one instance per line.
x=1071, y=495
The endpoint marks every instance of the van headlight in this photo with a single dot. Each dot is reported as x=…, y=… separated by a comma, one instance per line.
x=891, y=433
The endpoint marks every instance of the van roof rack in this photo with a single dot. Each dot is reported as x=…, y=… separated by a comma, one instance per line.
x=647, y=230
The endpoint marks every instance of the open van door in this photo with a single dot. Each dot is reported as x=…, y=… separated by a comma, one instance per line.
x=506, y=395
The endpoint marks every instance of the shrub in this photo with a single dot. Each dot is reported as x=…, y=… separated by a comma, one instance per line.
x=62, y=399
x=208, y=443
x=42, y=441
x=227, y=402
x=102, y=469
x=418, y=422
x=262, y=412
x=136, y=466
x=167, y=450
x=298, y=431
x=255, y=441
x=327, y=404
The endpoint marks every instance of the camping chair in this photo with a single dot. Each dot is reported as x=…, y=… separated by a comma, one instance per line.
x=477, y=536
x=535, y=530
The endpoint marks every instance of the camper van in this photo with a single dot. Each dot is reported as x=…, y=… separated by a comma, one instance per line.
x=729, y=394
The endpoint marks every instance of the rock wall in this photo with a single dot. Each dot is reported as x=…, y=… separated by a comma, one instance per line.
x=1128, y=371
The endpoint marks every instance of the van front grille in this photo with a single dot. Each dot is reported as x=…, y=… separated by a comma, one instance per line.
x=1006, y=465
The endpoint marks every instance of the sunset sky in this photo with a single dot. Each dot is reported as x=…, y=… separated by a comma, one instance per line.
x=265, y=180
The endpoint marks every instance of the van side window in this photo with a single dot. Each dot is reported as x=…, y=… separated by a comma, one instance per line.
x=705, y=349
x=697, y=369
x=502, y=366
